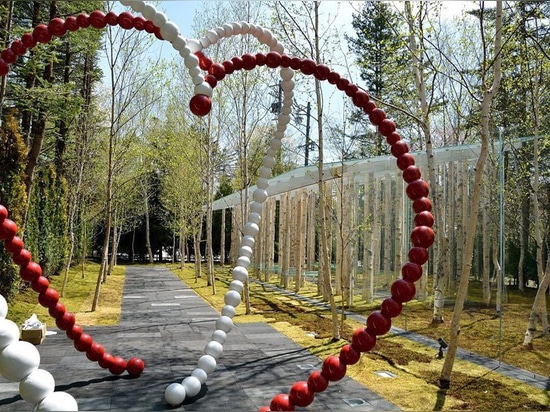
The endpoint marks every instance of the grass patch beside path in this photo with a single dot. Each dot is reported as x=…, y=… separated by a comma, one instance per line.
x=416, y=367
x=79, y=294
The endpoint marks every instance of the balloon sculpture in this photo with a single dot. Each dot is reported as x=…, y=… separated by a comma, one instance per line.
x=21, y=363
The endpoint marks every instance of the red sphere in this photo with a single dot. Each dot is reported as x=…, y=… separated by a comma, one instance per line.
x=71, y=23
x=295, y=63
x=157, y=33
x=22, y=258
x=424, y=218
x=57, y=27
x=237, y=63
x=399, y=148
x=260, y=59
x=377, y=116
x=57, y=311
x=411, y=271
x=66, y=321
x=308, y=66
x=41, y=34
x=217, y=70
x=9, y=56
x=3, y=213
x=28, y=40
x=125, y=20
x=402, y=290
x=422, y=236
x=378, y=324
x=405, y=161
x=351, y=89
x=40, y=285
x=107, y=361
x=285, y=61
x=349, y=355
x=249, y=61
x=211, y=80
x=200, y=105
x=333, y=368
x=30, y=272
x=48, y=298
x=333, y=77
x=317, y=382
x=391, y=308
x=14, y=245
x=83, y=343
x=273, y=59
x=300, y=394
x=418, y=255
x=97, y=19
x=360, y=98
x=111, y=18
x=83, y=20
x=363, y=340
x=228, y=66
x=321, y=72
x=8, y=229
x=417, y=189
x=118, y=366
x=96, y=352
x=135, y=367
x=342, y=83
x=264, y=409
x=74, y=333
x=422, y=204
x=149, y=26
x=411, y=173
x=281, y=402
x=205, y=62
x=386, y=128
x=4, y=68
x=392, y=138
x=139, y=23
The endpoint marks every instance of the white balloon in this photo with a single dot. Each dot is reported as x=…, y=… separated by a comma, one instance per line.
x=9, y=332
x=243, y=261
x=36, y=386
x=148, y=11
x=245, y=251
x=169, y=31
x=240, y=273
x=213, y=349
x=207, y=362
x=159, y=19
x=232, y=298
x=18, y=359
x=237, y=286
x=251, y=229
x=174, y=394
x=220, y=335
x=192, y=386
x=200, y=374
x=57, y=401
x=3, y=307
x=260, y=195
x=224, y=323
x=249, y=240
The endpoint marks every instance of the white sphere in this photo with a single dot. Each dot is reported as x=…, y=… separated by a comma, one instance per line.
x=237, y=28
x=243, y=261
x=9, y=332
x=174, y=394
x=284, y=119
x=248, y=240
x=286, y=73
x=3, y=307
x=233, y=298
x=18, y=359
x=36, y=386
x=57, y=401
x=240, y=273
x=169, y=31
x=191, y=61
x=208, y=363
x=159, y=19
x=265, y=172
x=256, y=207
x=200, y=374
x=251, y=229
x=237, y=286
x=286, y=110
x=220, y=31
x=205, y=43
x=192, y=386
x=245, y=27
x=136, y=5
x=269, y=162
x=276, y=143
x=266, y=36
x=228, y=29
x=212, y=36
x=194, y=45
x=214, y=349
x=228, y=311
x=148, y=11
x=245, y=251
x=203, y=88
x=278, y=47
x=220, y=335
x=254, y=217
x=224, y=323
x=278, y=135
x=179, y=43
x=260, y=195
x=196, y=79
x=287, y=84
x=194, y=71
x=262, y=183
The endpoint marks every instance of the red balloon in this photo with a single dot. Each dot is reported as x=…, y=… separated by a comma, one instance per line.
x=249, y=61
x=392, y=137
x=139, y=23
x=41, y=34
x=417, y=189
x=285, y=61
x=411, y=173
x=411, y=271
x=206, y=62
x=418, y=255
x=228, y=66
x=391, y=308
x=211, y=80
x=157, y=33
x=422, y=236
x=377, y=116
x=349, y=355
x=71, y=23
x=57, y=311
x=57, y=27
x=342, y=83
x=125, y=20
x=321, y=72
x=308, y=66
x=399, y=148
x=30, y=272
x=363, y=340
x=41, y=285
x=118, y=366
x=18, y=47
x=295, y=63
x=83, y=20
x=48, y=298
x=333, y=77
x=65, y=321
x=264, y=409
x=386, y=128
x=272, y=60
x=422, y=204
x=28, y=40
x=317, y=382
x=217, y=70
x=300, y=394
x=424, y=218
x=9, y=56
x=402, y=290
x=107, y=361
x=360, y=98
x=74, y=333
x=149, y=26
x=200, y=105
x=4, y=68
x=97, y=19
x=22, y=258
x=3, y=213
x=260, y=59
x=405, y=161
x=281, y=402
x=333, y=368
x=8, y=229
x=135, y=367
x=378, y=324
x=351, y=89
x=96, y=352
x=83, y=343
x=111, y=18
x=14, y=245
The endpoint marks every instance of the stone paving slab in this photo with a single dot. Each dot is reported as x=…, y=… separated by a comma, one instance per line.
x=257, y=363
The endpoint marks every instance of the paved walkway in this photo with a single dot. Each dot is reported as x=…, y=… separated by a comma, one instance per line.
x=522, y=375
x=167, y=325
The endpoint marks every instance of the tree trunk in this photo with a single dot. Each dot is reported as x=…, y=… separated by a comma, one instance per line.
x=222, y=238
